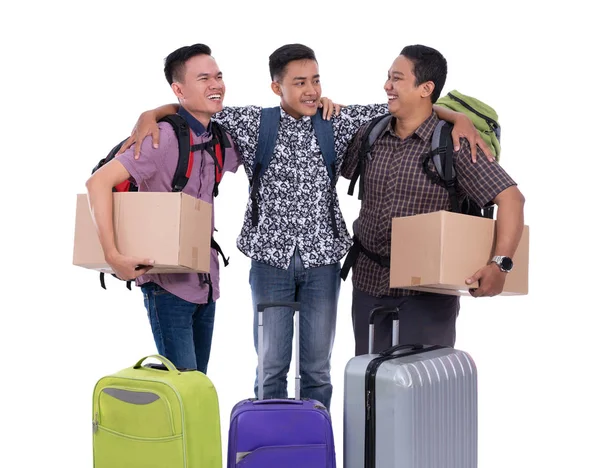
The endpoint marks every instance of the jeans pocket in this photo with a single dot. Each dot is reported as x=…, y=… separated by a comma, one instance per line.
x=153, y=289
x=160, y=292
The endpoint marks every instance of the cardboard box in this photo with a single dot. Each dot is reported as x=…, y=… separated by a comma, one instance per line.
x=437, y=252
x=172, y=228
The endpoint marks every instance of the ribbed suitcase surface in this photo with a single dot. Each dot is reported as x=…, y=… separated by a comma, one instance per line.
x=412, y=406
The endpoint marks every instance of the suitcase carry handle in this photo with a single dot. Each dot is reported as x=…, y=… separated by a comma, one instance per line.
x=162, y=367
x=168, y=364
x=380, y=310
x=278, y=401
x=395, y=349
x=261, y=372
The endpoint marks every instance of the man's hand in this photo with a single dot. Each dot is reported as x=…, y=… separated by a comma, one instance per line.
x=129, y=268
x=146, y=125
x=329, y=108
x=463, y=127
x=491, y=281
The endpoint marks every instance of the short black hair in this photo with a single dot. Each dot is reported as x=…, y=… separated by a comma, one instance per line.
x=175, y=61
x=428, y=65
x=279, y=59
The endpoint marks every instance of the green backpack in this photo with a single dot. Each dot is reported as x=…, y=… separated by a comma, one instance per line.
x=483, y=117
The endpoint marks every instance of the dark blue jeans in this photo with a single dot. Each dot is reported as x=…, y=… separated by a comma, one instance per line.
x=182, y=330
x=317, y=291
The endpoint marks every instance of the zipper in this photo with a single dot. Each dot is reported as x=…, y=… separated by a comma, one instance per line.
x=491, y=122
x=370, y=380
x=132, y=437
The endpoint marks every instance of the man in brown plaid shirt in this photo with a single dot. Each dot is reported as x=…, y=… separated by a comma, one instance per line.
x=395, y=184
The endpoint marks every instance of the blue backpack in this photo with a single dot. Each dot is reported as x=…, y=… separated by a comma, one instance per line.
x=267, y=136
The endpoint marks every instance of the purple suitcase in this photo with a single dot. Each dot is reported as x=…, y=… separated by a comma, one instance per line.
x=275, y=433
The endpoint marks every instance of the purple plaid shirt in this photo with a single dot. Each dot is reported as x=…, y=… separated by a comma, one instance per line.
x=153, y=172
x=395, y=185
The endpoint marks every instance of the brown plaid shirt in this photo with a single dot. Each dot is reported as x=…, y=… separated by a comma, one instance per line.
x=396, y=185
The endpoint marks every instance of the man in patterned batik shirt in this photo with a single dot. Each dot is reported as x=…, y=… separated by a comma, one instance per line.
x=414, y=82
x=295, y=254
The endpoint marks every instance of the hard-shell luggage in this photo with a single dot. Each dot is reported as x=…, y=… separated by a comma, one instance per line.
x=156, y=416
x=412, y=406
x=278, y=433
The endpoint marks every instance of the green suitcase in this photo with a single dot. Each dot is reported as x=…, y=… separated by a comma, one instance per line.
x=156, y=416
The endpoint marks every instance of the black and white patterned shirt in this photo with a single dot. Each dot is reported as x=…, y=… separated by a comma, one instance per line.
x=294, y=194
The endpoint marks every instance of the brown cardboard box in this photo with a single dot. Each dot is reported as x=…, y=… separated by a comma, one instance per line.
x=171, y=228
x=436, y=252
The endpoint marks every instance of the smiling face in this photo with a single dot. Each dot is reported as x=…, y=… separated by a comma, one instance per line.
x=299, y=88
x=200, y=88
x=403, y=94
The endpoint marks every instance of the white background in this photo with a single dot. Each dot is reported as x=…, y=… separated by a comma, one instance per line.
x=75, y=77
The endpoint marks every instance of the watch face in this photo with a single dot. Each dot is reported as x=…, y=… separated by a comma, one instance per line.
x=506, y=264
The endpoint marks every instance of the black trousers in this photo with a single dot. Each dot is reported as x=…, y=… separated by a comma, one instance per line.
x=428, y=319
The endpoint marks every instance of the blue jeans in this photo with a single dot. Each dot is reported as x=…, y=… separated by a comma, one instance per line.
x=182, y=330
x=317, y=291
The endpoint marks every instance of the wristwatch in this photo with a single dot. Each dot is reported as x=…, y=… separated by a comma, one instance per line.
x=505, y=263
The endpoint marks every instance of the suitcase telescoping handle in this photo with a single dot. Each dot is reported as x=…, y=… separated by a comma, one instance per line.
x=168, y=364
x=261, y=372
x=381, y=310
x=395, y=349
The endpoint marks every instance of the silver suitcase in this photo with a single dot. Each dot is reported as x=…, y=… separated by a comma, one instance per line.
x=412, y=406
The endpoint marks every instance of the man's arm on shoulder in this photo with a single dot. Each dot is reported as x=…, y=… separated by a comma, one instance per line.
x=234, y=157
x=463, y=128
x=237, y=120
x=242, y=123
x=147, y=125
x=100, y=197
x=351, y=117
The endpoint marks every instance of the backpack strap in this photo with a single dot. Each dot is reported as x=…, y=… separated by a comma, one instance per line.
x=324, y=133
x=355, y=250
x=374, y=131
x=205, y=278
x=442, y=157
x=187, y=148
x=216, y=148
x=217, y=247
x=267, y=136
x=103, y=284
x=186, y=156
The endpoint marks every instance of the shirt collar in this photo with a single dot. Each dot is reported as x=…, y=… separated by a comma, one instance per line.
x=424, y=131
x=287, y=117
x=194, y=123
